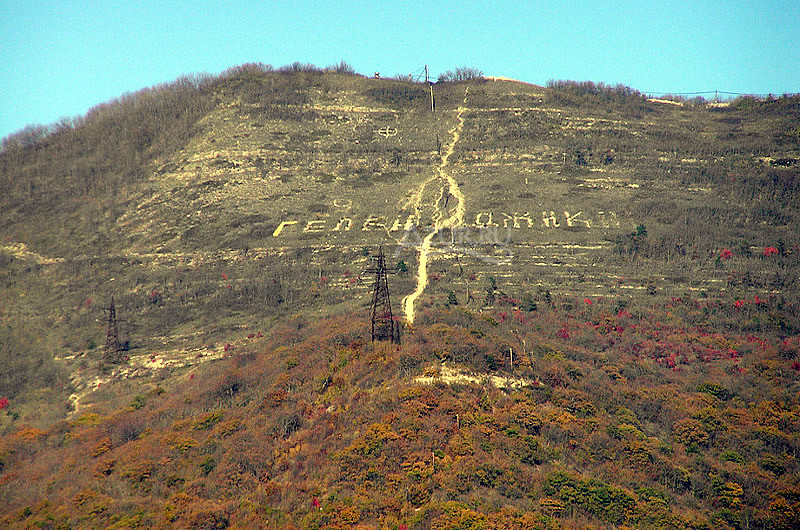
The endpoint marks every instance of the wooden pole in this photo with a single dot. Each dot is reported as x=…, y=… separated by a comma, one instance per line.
x=428, y=80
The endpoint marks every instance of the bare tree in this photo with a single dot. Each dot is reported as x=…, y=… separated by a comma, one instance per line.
x=463, y=73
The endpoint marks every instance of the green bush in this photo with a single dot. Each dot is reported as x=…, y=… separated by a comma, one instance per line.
x=731, y=456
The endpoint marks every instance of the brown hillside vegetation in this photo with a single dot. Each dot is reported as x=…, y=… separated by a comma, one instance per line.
x=643, y=420
x=638, y=260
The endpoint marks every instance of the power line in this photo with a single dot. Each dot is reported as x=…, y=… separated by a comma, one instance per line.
x=701, y=92
x=418, y=74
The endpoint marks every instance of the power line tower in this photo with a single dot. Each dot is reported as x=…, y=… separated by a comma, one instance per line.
x=112, y=353
x=384, y=326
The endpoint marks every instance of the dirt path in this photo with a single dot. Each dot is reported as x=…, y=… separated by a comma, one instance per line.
x=449, y=186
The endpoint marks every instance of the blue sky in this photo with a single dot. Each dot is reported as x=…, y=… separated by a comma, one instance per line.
x=60, y=58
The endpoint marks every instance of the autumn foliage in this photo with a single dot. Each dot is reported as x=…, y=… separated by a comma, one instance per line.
x=637, y=416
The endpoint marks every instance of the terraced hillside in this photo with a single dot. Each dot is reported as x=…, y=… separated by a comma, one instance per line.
x=235, y=201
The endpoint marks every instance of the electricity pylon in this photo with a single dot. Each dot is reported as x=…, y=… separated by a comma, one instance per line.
x=384, y=326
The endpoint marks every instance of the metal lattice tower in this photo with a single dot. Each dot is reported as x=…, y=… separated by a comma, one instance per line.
x=384, y=326
x=111, y=352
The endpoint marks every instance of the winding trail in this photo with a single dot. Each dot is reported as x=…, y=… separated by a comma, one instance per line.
x=449, y=186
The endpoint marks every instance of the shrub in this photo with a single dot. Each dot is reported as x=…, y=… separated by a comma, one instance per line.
x=588, y=93
x=690, y=432
x=124, y=428
x=606, y=502
x=460, y=74
x=716, y=390
x=228, y=385
x=208, y=420
x=299, y=67
x=731, y=456
x=771, y=463
x=397, y=94
x=342, y=68
x=138, y=402
x=208, y=465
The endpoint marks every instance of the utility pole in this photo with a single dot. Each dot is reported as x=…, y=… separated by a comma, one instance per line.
x=383, y=325
x=430, y=85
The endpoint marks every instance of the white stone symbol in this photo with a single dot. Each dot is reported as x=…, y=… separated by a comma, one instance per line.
x=387, y=131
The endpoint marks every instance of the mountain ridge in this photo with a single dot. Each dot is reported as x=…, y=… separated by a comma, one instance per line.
x=615, y=247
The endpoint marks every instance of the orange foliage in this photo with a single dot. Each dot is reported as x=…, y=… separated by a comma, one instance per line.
x=320, y=412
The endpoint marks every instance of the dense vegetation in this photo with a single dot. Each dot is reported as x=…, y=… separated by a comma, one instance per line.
x=640, y=417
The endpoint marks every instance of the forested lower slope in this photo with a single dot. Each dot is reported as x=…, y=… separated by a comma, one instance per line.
x=641, y=417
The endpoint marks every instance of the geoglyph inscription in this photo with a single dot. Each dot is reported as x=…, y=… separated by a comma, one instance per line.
x=550, y=219
x=572, y=219
x=281, y=226
x=516, y=218
x=373, y=222
x=317, y=225
x=344, y=225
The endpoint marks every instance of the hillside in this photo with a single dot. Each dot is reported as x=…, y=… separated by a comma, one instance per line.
x=605, y=419
x=639, y=258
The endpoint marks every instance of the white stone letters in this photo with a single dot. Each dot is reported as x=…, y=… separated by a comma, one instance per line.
x=484, y=224
x=608, y=219
x=344, y=224
x=550, y=220
x=317, y=225
x=516, y=218
x=572, y=219
x=483, y=220
x=373, y=222
x=281, y=226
